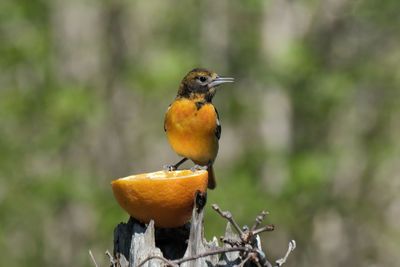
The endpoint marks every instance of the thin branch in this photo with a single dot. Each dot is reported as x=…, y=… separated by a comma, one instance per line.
x=258, y=263
x=259, y=220
x=231, y=242
x=112, y=260
x=91, y=256
x=169, y=263
x=245, y=260
x=213, y=252
x=292, y=246
x=267, y=228
x=227, y=215
x=195, y=257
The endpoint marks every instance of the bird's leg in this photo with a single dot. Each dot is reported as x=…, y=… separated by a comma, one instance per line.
x=174, y=167
x=200, y=167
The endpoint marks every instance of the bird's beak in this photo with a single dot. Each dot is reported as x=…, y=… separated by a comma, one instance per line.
x=220, y=80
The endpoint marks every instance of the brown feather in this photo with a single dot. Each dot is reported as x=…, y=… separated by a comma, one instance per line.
x=211, y=178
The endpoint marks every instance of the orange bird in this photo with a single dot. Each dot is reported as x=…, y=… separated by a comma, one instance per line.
x=192, y=123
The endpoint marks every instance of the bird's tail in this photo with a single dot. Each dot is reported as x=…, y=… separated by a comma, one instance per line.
x=211, y=177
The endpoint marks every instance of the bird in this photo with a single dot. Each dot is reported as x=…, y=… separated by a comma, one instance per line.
x=192, y=122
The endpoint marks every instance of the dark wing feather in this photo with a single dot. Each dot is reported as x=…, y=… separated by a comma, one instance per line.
x=218, y=129
x=165, y=117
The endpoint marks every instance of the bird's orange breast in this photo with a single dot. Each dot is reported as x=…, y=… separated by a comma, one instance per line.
x=191, y=131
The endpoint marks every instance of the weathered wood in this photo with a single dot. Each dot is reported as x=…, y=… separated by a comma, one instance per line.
x=136, y=244
x=143, y=246
x=232, y=258
x=122, y=238
x=197, y=243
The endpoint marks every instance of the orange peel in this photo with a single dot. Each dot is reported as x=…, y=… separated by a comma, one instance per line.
x=165, y=197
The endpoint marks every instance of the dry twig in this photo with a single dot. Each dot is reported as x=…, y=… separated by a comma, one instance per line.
x=169, y=263
x=113, y=261
x=267, y=228
x=246, y=234
x=92, y=257
x=195, y=257
x=227, y=215
x=259, y=220
x=232, y=243
x=291, y=247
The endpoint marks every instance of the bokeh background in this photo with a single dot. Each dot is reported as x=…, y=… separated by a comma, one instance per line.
x=310, y=129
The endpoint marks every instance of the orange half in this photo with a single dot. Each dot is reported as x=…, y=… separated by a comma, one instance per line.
x=165, y=197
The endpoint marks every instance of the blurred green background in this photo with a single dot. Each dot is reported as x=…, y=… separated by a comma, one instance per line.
x=310, y=130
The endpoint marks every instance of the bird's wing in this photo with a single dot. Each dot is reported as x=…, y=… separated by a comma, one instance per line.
x=218, y=129
x=166, y=117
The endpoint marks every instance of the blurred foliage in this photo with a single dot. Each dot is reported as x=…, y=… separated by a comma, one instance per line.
x=310, y=128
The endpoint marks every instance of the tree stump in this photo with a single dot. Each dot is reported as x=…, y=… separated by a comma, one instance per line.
x=136, y=244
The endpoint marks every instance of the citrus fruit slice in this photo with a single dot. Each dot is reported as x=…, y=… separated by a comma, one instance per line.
x=165, y=197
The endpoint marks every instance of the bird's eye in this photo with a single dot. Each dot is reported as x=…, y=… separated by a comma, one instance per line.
x=202, y=79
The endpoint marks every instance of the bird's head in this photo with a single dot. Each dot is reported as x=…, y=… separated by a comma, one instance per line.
x=201, y=83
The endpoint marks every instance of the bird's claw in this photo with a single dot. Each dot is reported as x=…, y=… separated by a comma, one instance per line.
x=198, y=167
x=168, y=168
